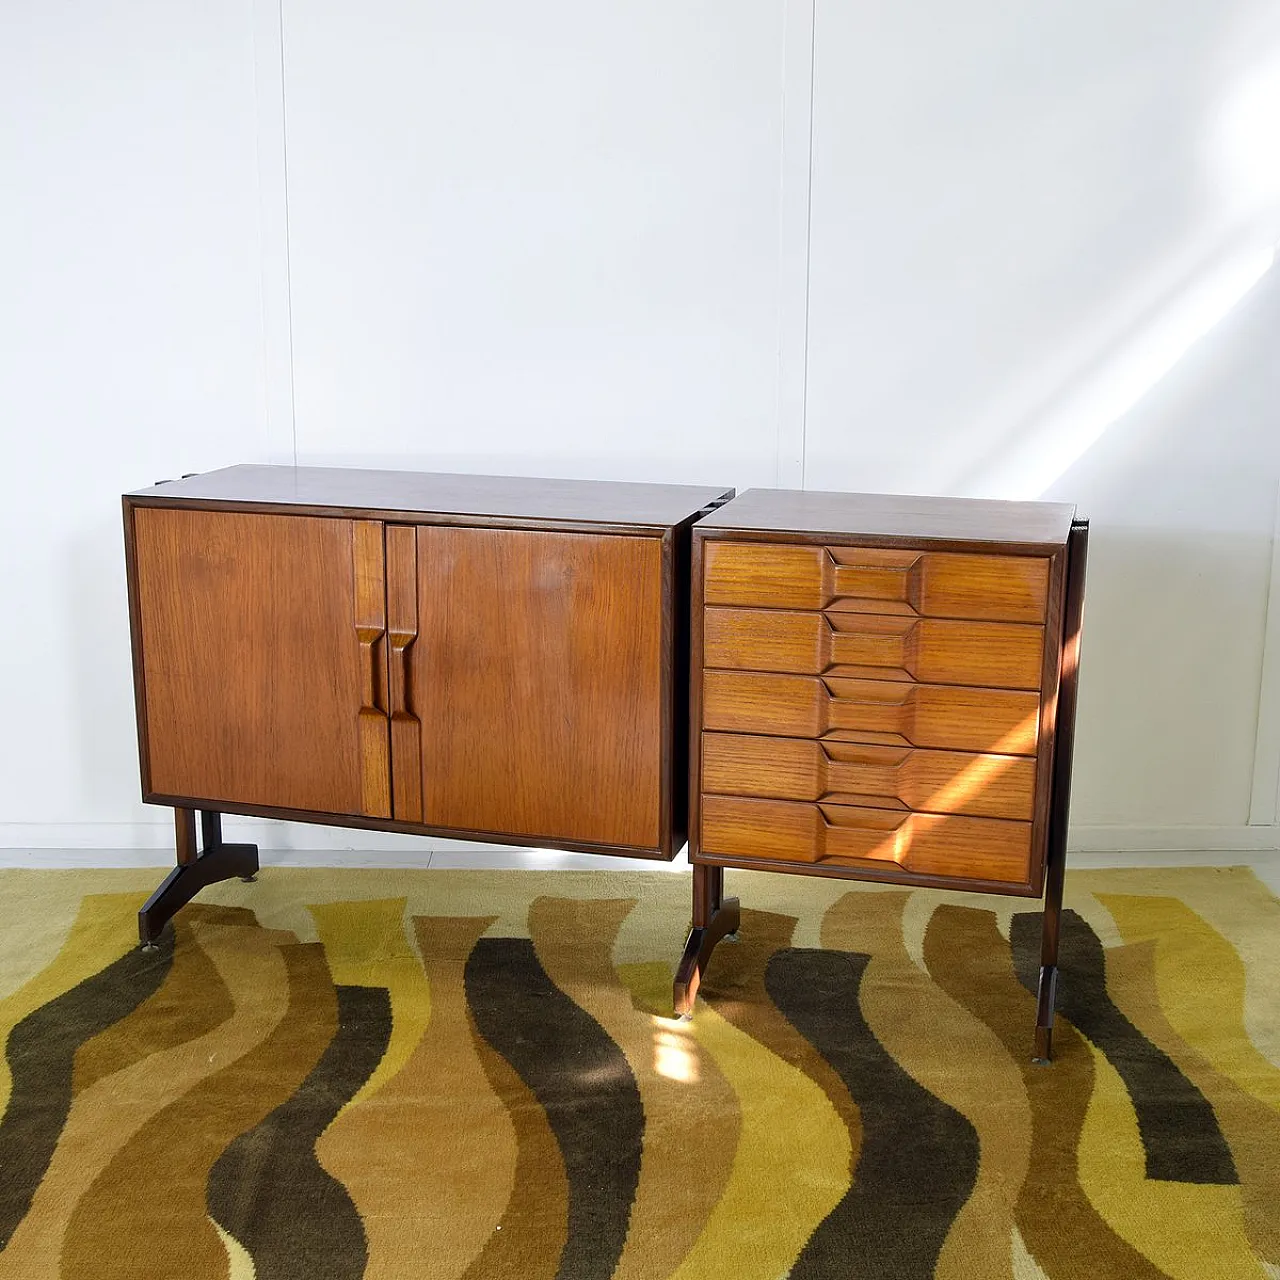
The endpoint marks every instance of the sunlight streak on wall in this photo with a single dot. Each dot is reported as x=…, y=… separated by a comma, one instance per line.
x=1032, y=462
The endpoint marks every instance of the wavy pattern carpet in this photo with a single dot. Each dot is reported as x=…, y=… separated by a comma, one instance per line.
x=337, y=1074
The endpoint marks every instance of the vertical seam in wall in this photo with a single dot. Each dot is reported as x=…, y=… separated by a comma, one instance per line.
x=288, y=238
x=275, y=285
x=794, y=226
x=1264, y=796
x=808, y=255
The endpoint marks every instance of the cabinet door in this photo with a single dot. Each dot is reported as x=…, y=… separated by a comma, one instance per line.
x=263, y=659
x=537, y=678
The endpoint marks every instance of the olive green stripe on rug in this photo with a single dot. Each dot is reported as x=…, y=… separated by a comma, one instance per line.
x=453, y=1075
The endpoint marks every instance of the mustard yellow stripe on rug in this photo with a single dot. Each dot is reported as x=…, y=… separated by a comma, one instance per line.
x=107, y=1115
x=367, y=945
x=1251, y=1128
x=1189, y=1231
x=156, y=1188
x=1201, y=983
x=955, y=1056
x=429, y=1159
x=790, y=1169
x=1058, y=1223
x=685, y=1098
x=105, y=928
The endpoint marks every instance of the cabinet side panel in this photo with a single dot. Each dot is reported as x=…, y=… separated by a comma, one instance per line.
x=252, y=658
x=537, y=677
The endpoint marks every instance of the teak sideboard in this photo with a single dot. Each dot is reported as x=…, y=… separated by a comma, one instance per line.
x=883, y=688
x=475, y=657
x=847, y=685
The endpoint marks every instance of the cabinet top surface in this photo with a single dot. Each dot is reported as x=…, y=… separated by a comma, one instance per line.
x=352, y=489
x=795, y=511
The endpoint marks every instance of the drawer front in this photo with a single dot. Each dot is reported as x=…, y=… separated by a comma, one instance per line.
x=929, y=650
x=876, y=711
x=988, y=786
x=873, y=580
x=860, y=838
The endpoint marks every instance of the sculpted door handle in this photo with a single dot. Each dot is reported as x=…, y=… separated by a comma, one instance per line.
x=401, y=643
x=372, y=694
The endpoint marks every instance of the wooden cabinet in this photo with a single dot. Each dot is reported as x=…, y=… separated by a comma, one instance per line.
x=882, y=688
x=459, y=655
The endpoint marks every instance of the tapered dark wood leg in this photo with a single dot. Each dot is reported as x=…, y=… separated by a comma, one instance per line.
x=196, y=868
x=1050, y=931
x=714, y=916
x=1056, y=845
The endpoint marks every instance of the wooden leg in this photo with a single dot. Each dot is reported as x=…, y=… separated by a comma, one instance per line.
x=1050, y=931
x=1056, y=844
x=714, y=916
x=196, y=868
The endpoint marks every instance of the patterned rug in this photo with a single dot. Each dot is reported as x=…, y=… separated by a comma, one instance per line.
x=434, y=1075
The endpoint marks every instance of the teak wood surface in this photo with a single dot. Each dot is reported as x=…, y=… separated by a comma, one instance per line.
x=413, y=497
x=986, y=786
x=260, y=678
x=887, y=712
x=931, y=650
x=877, y=580
x=538, y=683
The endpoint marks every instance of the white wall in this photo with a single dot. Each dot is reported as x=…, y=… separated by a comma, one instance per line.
x=929, y=248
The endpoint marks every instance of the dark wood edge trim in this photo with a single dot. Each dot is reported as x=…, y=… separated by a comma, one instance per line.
x=694, y=726
x=135, y=642
x=810, y=537
x=390, y=516
x=359, y=822
x=1068, y=687
x=894, y=875
x=1050, y=681
x=687, y=666
x=668, y=710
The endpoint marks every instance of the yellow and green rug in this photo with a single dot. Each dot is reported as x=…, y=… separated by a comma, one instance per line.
x=438, y=1075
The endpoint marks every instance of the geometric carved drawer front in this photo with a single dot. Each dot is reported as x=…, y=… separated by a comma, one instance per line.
x=931, y=650
x=875, y=711
x=872, y=580
x=976, y=848
x=988, y=786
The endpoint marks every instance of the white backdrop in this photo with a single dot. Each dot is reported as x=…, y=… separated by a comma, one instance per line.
x=977, y=248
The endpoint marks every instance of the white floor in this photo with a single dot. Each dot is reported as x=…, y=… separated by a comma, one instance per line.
x=1265, y=863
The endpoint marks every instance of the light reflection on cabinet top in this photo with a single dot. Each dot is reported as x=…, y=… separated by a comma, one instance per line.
x=356, y=490
x=891, y=517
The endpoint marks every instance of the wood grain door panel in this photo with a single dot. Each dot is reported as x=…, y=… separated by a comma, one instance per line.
x=888, y=712
x=537, y=677
x=877, y=580
x=870, y=646
x=989, y=786
x=263, y=659
x=845, y=835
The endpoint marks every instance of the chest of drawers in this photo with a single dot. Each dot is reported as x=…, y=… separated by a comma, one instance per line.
x=883, y=688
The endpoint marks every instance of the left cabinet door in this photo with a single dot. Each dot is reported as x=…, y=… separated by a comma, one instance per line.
x=263, y=659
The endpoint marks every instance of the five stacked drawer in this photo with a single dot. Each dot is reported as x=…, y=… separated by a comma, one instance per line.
x=875, y=709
